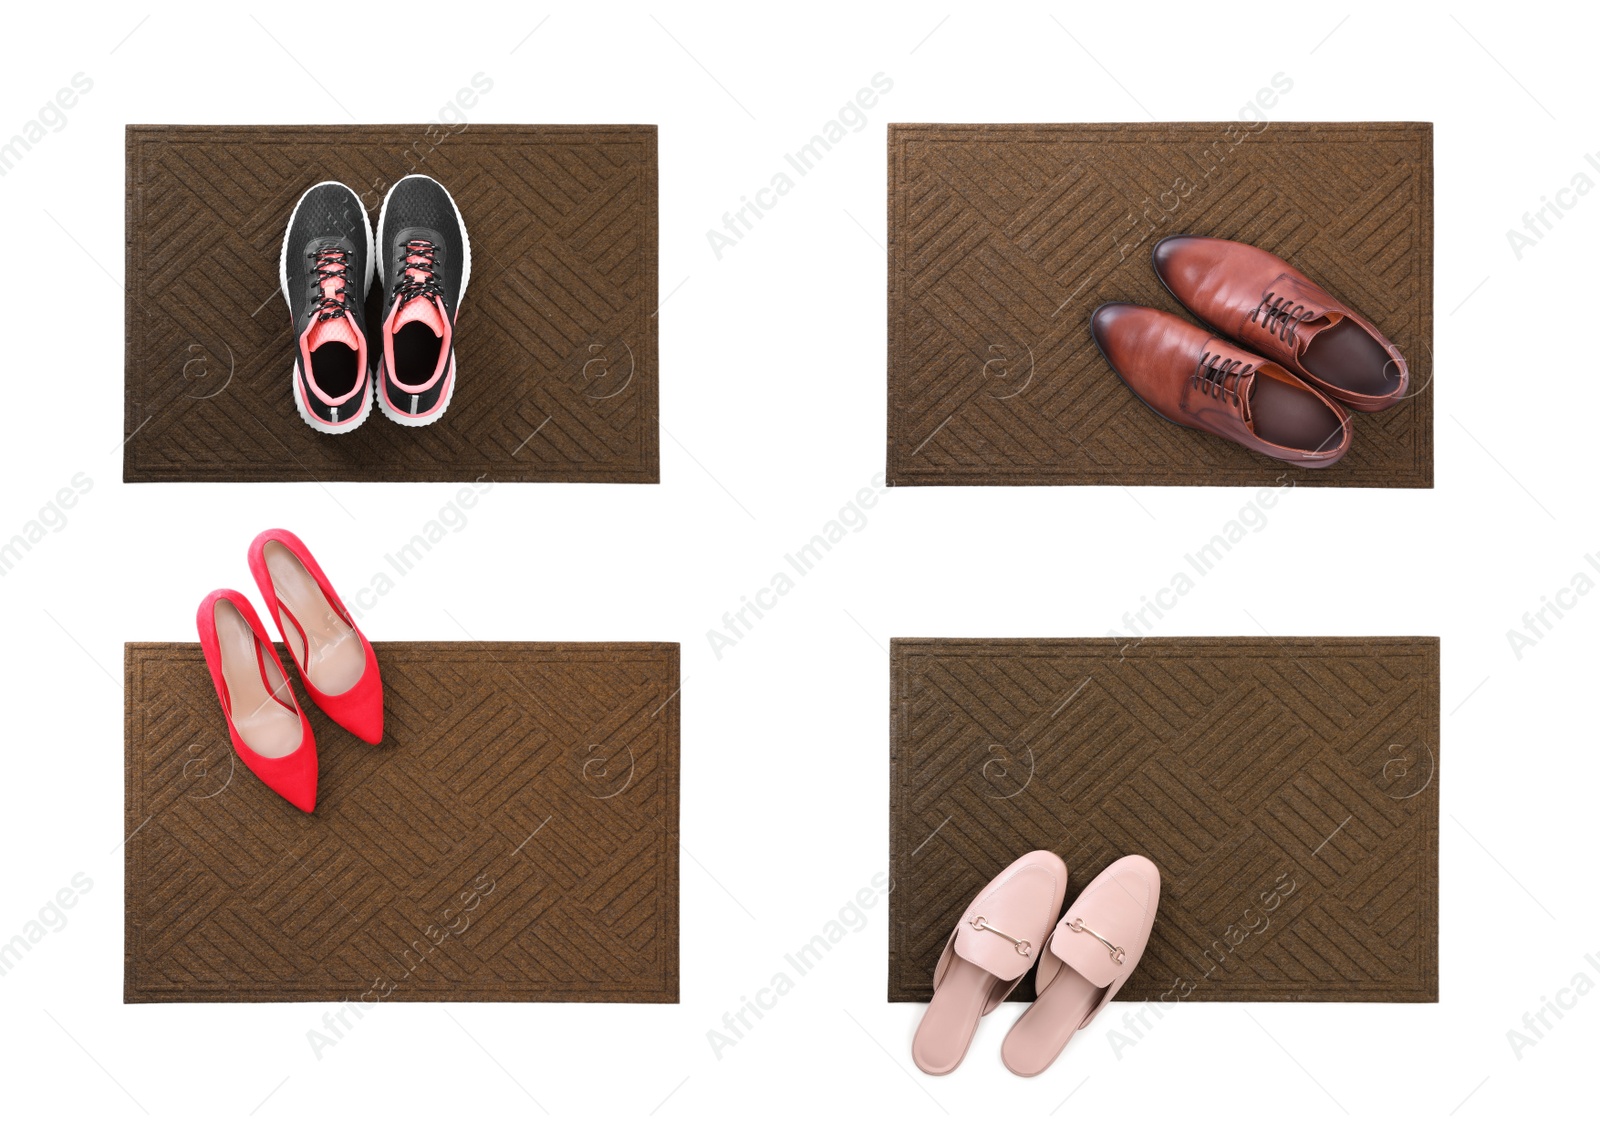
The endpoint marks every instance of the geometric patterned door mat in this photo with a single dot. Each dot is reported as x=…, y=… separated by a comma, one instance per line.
x=556, y=340
x=1288, y=789
x=1004, y=238
x=513, y=838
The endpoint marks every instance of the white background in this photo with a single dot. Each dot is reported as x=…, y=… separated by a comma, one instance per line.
x=772, y=404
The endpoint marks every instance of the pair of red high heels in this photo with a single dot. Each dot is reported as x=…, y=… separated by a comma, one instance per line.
x=270, y=733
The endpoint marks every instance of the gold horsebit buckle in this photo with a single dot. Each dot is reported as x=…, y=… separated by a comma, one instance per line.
x=1024, y=947
x=1117, y=953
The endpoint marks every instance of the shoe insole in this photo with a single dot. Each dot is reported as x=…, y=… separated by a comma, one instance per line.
x=1043, y=1031
x=416, y=353
x=946, y=1028
x=1293, y=417
x=1347, y=357
x=334, y=368
x=330, y=652
x=260, y=713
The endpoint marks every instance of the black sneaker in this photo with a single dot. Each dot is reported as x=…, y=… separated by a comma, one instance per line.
x=426, y=260
x=325, y=269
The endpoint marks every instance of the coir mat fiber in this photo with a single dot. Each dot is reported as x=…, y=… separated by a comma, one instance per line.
x=1287, y=789
x=513, y=838
x=555, y=340
x=1004, y=239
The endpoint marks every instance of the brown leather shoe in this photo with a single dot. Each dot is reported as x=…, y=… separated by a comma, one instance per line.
x=1261, y=302
x=1200, y=381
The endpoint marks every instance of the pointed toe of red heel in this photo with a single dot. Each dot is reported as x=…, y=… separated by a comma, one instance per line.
x=300, y=791
x=360, y=710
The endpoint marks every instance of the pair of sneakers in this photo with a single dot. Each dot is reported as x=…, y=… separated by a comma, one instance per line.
x=326, y=268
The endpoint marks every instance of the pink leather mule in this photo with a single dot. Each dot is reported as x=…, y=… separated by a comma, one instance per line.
x=992, y=948
x=1087, y=959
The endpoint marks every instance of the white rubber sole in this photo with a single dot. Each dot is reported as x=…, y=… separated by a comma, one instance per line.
x=323, y=426
x=366, y=285
x=414, y=421
x=466, y=276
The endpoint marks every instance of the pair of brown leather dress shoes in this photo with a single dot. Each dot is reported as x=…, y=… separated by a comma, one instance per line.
x=1286, y=362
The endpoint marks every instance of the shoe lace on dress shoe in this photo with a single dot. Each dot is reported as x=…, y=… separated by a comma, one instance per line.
x=417, y=277
x=1219, y=376
x=1281, y=315
x=330, y=264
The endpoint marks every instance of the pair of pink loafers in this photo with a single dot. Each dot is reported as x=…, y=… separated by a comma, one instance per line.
x=1082, y=963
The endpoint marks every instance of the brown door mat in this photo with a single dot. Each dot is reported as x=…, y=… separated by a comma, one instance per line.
x=1287, y=789
x=556, y=341
x=513, y=838
x=1003, y=240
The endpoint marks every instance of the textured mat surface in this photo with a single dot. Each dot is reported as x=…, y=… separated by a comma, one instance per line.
x=514, y=837
x=556, y=340
x=1288, y=790
x=1003, y=240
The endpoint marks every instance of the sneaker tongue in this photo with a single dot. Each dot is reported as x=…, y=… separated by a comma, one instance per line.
x=321, y=332
x=424, y=310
